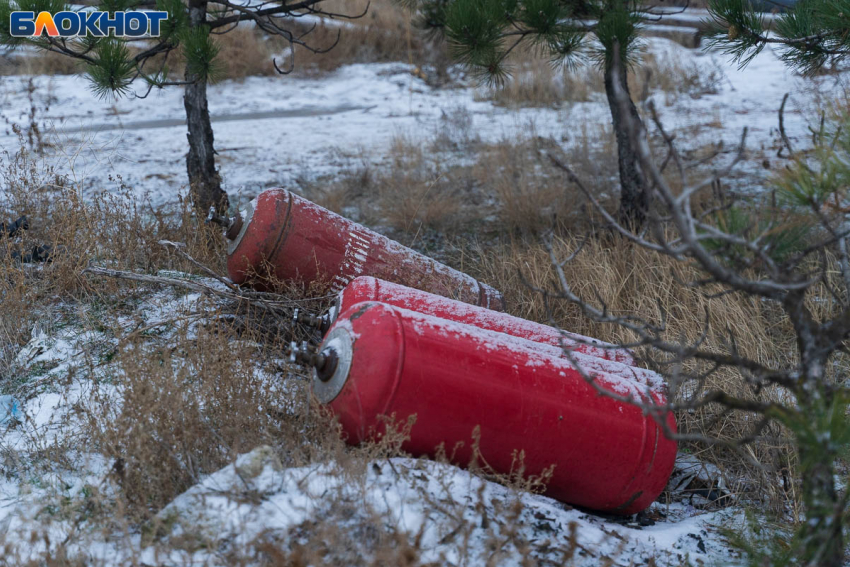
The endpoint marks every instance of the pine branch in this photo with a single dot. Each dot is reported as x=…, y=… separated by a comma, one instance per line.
x=283, y=9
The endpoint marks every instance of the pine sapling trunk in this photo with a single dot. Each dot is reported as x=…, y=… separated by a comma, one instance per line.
x=822, y=532
x=822, y=535
x=634, y=196
x=204, y=180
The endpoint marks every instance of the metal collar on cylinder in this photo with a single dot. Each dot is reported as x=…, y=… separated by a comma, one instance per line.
x=329, y=380
x=333, y=311
x=245, y=216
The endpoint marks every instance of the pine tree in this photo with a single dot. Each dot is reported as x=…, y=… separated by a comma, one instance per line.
x=482, y=33
x=114, y=64
x=808, y=35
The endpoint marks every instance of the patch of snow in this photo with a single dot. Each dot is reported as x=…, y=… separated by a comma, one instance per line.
x=256, y=499
x=316, y=127
x=286, y=502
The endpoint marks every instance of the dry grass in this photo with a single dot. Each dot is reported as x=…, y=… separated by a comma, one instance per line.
x=530, y=194
x=191, y=394
x=634, y=281
x=41, y=63
x=415, y=192
x=383, y=34
x=536, y=82
x=173, y=397
x=197, y=388
x=673, y=75
x=245, y=52
x=487, y=218
x=189, y=407
x=509, y=187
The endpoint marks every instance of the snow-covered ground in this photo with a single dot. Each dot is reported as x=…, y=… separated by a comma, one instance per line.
x=274, y=131
x=232, y=512
x=65, y=373
x=457, y=518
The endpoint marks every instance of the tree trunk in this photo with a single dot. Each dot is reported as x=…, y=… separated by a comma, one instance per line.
x=822, y=531
x=821, y=534
x=204, y=180
x=634, y=196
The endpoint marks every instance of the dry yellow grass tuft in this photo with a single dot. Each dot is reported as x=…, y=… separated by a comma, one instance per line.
x=245, y=52
x=191, y=405
x=508, y=187
x=196, y=382
x=633, y=281
x=42, y=63
x=384, y=33
x=535, y=81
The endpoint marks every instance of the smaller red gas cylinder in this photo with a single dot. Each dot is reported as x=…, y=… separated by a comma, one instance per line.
x=293, y=239
x=380, y=360
x=367, y=288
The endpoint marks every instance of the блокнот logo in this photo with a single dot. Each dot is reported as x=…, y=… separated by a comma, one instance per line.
x=80, y=24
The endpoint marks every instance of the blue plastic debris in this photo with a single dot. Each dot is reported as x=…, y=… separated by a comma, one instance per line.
x=10, y=410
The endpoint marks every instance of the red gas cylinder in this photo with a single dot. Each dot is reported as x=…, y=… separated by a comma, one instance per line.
x=304, y=242
x=366, y=288
x=382, y=360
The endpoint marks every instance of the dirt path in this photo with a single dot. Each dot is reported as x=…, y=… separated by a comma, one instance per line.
x=171, y=122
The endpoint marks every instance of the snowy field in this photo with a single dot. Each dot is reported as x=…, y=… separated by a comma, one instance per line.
x=275, y=131
x=257, y=499
x=278, y=132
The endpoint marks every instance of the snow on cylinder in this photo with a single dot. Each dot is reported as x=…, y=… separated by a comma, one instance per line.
x=367, y=288
x=381, y=360
x=302, y=242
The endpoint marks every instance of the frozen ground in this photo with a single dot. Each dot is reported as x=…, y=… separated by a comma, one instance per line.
x=458, y=518
x=66, y=373
x=276, y=130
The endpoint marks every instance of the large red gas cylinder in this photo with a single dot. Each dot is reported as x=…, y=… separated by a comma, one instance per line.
x=304, y=242
x=380, y=360
x=367, y=288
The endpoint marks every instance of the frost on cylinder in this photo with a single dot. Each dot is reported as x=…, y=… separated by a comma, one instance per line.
x=286, y=237
x=366, y=288
x=607, y=454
